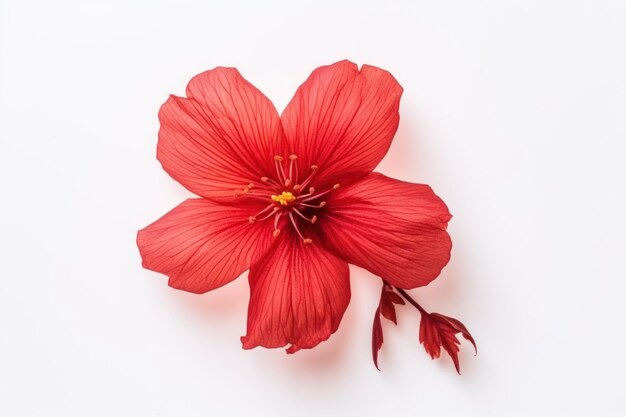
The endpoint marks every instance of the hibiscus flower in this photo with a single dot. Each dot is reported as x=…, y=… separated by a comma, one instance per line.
x=293, y=198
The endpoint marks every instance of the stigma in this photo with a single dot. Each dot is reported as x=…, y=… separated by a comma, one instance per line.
x=284, y=199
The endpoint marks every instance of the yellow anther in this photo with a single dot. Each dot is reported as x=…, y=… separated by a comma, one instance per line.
x=314, y=167
x=293, y=157
x=251, y=219
x=322, y=204
x=335, y=186
x=307, y=240
x=278, y=158
x=313, y=219
x=276, y=232
x=284, y=199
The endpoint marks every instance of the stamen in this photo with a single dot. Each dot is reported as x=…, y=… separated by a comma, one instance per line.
x=292, y=163
x=279, y=168
x=254, y=218
x=268, y=215
x=264, y=189
x=314, y=169
x=299, y=213
x=268, y=184
x=311, y=192
x=241, y=191
x=252, y=196
x=295, y=226
x=320, y=205
x=276, y=219
x=336, y=186
x=276, y=232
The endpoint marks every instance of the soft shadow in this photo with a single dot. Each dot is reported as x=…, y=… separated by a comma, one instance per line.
x=227, y=306
x=409, y=158
x=322, y=360
x=354, y=333
x=221, y=302
x=448, y=289
x=400, y=162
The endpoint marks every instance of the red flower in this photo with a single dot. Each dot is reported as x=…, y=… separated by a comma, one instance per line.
x=292, y=198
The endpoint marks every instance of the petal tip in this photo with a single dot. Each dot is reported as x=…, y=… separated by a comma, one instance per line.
x=245, y=343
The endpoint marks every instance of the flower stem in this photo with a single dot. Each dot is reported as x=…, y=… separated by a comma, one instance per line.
x=411, y=300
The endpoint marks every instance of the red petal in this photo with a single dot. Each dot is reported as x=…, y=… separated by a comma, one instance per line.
x=395, y=298
x=343, y=120
x=202, y=245
x=429, y=336
x=395, y=229
x=220, y=138
x=458, y=327
x=377, y=337
x=388, y=310
x=298, y=295
x=437, y=330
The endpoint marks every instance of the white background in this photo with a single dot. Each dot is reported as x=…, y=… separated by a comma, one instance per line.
x=514, y=111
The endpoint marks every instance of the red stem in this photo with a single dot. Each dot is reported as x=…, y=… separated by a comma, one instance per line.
x=411, y=300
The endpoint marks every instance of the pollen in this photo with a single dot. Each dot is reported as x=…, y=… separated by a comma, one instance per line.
x=284, y=199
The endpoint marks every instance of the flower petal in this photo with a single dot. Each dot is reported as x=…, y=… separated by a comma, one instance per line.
x=387, y=309
x=202, y=245
x=343, y=120
x=298, y=295
x=377, y=337
x=395, y=229
x=220, y=138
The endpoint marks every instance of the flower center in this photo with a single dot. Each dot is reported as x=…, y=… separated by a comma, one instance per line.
x=285, y=198
x=289, y=200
